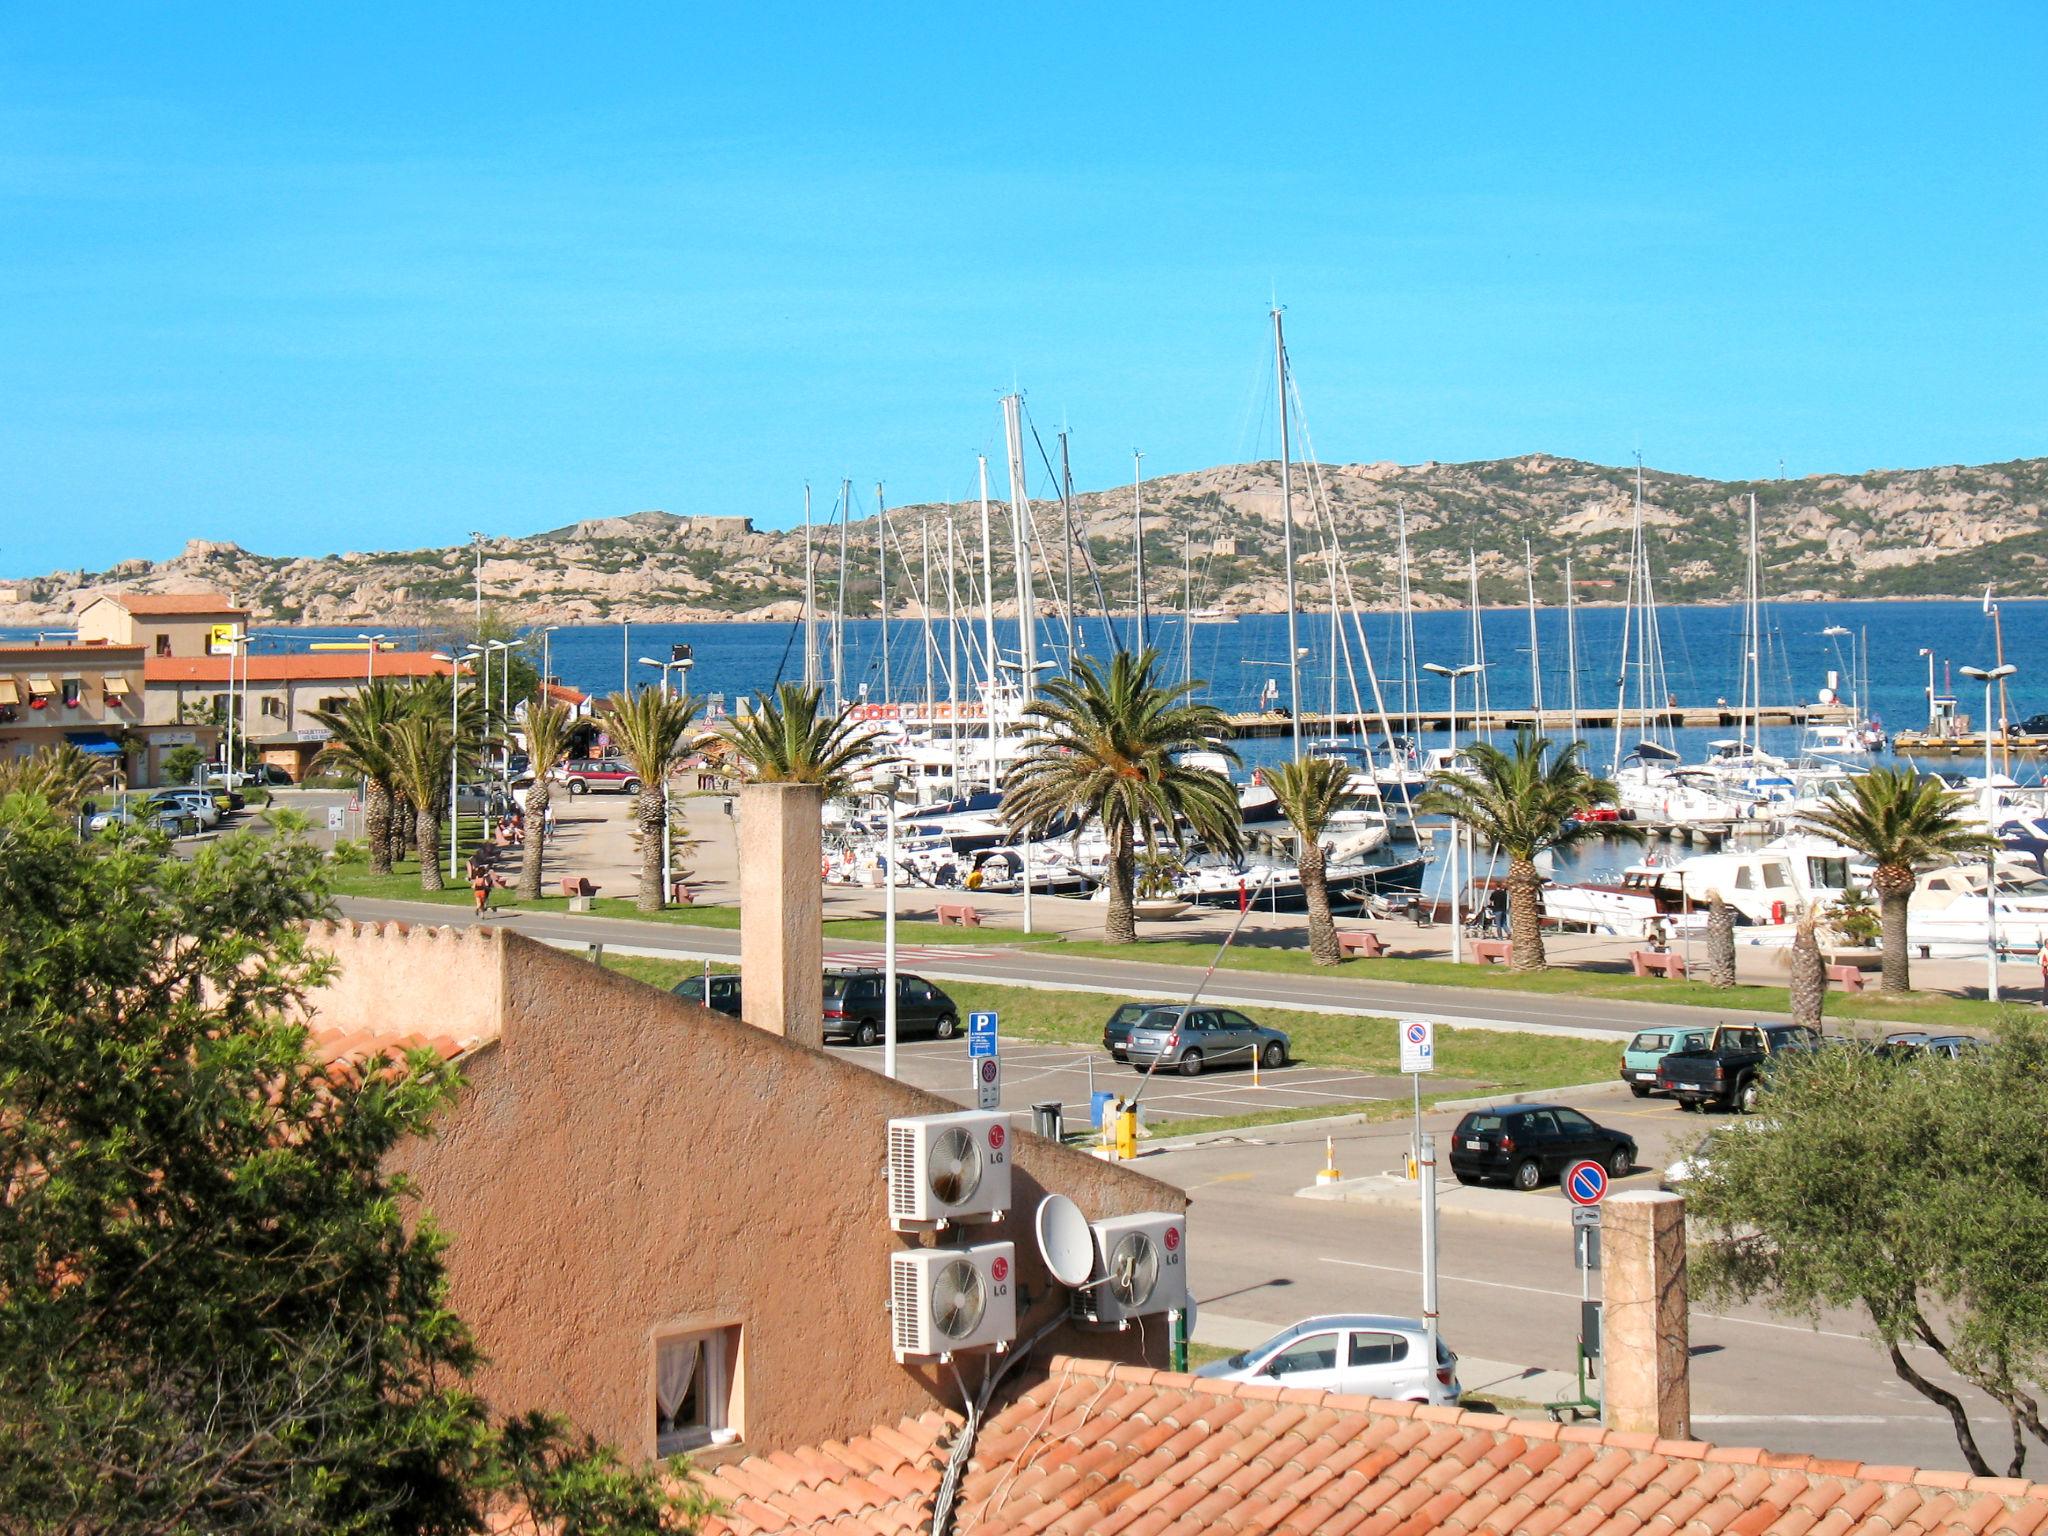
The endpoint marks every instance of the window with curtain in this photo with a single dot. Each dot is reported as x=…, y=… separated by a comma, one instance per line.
x=693, y=1389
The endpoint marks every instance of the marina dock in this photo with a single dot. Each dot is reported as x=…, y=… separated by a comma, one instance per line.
x=1550, y=722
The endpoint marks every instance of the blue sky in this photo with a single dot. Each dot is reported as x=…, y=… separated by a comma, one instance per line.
x=373, y=276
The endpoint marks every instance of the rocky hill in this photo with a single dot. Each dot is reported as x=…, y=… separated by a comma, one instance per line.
x=1889, y=533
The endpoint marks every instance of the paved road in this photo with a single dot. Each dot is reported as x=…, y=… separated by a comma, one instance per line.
x=1510, y=1292
x=1021, y=965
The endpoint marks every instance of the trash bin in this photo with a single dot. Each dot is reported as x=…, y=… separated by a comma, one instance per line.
x=1098, y=1106
x=1045, y=1119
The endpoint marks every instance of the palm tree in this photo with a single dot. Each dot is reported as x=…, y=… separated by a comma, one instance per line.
x=1518, y=803
x=421, y=747
x=62, y=776
x=1310, y=791
x=652, y=731
x=1720, y=941
x=547, y=741
x=359, y=742
x=1809, y=973
x=1899, y=819
x=787, y=739
x=1103, y=746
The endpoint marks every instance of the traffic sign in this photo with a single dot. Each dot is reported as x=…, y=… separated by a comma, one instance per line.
x=988, y=1083
x=981, y=1034
x=1418, y=1045
x=1585, y=1183
x=1586, y=1236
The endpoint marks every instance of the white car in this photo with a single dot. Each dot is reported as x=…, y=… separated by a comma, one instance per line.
x=1681, y=1171
x=1364, y=1355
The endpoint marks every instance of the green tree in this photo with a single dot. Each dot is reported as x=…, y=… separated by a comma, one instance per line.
x=547, y=729
x=61, y=775
x=218, y=1315
x=788, y=738
x=653, y=734
x=1311, y=790
x=1900, y=820
x=1866, y=1183
x=359, y=743
x=1524, y=805
x=1720, y=941
x=1104, y=745
x=423, y=747
x=181, y=763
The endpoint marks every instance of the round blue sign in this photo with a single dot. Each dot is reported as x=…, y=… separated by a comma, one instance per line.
x=1585, y=1183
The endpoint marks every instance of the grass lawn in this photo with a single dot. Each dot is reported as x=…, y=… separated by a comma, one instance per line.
x=1501, y=1061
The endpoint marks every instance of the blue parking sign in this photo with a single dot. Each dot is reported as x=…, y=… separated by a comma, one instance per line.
x=981, y=1034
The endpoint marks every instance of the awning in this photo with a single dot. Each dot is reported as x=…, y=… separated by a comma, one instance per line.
x=41, y=685
x=10, y=691
x=117, y=685
x=94, y=743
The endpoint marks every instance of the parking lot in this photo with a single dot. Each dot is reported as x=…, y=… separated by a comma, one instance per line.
x=1039, y=1074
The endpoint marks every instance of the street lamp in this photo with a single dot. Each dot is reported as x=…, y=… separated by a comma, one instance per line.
x=663, y=667
x=371, y=646
x=546, y=675
x=888, y=789
x=1451, y=676
x=455, y=666
x=667, y=836
x=1990, y=677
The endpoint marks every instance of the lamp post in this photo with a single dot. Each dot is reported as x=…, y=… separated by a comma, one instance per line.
x=1990, y=677
x=546, y=675
x=370, y=645
x=888, y=788
x=1451, y=676
x=667, y=835
x=455, y=666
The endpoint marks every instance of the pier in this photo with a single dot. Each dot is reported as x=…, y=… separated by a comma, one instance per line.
x=1550, y=722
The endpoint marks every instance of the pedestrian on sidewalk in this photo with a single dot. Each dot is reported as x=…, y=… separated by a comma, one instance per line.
x=2043, y=958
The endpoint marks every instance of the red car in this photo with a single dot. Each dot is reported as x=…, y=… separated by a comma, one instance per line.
x=583, y=775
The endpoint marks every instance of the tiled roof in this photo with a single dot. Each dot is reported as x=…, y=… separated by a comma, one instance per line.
x=308, y=668
x=169, y=603
x=1102, y=1450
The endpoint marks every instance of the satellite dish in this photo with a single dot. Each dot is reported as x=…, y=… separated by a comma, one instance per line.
x=1065, y=1241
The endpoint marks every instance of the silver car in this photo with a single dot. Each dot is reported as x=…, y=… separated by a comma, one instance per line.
x=1188, y=1039
x=1363, y=1354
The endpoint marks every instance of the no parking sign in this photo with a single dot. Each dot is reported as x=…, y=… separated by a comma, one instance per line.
x=1418, y=1045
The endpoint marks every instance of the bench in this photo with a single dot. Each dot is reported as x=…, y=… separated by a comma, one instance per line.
x=1492, y=951
x=576, y=885
x=1847, y=977
x=1657, y=962
x=1360, y=941
x=958, y=914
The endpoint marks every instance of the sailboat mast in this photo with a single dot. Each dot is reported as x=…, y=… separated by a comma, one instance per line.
x=1287, y=528
x=1535, y=645
x=1020, y=531
x=924, y=608
x=1571, y=647
x=1187, y=606
x=810, y=598
x=1138, y=543
x=1411, y=691
x=988, y=619
x=1067, y=522
x=839, y=602
x=953, y=649
x=882, y=585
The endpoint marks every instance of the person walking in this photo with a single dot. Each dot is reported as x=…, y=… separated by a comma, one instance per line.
x=2042, y=956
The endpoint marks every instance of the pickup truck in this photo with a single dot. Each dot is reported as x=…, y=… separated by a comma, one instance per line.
x=1730, y=1069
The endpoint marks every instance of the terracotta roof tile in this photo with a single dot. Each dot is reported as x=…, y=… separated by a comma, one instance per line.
x=1101, y=1450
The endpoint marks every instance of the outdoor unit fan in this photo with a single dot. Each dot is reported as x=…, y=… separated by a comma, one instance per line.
x=945, y=1300
x=1140, y=1270
x=948, y=1168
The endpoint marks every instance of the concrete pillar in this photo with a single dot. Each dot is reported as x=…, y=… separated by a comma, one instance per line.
x=1645, y=1337
x=782, y=910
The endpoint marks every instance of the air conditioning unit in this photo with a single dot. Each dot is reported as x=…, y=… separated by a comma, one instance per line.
x=1140, y=1269
x=948, y=1168
x=945, y=1300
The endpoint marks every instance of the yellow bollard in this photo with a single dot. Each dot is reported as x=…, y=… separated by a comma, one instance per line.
x=1328, y=1174
x=1126, y=1130
x=1256, y=1053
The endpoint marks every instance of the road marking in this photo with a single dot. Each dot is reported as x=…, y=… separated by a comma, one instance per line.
x=1537, y=1290
x=1819, y=1418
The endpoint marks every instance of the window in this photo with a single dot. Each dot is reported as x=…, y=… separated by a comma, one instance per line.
x=1541, y=1122
x=1647, y=1041
x=1378, y=1349
x=1235, y=1020
x=163, y=645
x=74, y=692
x=1829, y=874
x=1744, y=881
x=335, y=701
x=693, y=1389
x=1317, y=1352
x=1776, y=876
x=273, y=707
x=1573, y=1123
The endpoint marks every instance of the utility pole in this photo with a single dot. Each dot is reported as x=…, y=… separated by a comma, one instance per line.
x=477, y=540
x=882, y=580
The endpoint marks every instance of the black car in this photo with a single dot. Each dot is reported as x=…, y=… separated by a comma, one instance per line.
x=1524, y=1144
x=725, y=993
x=1116, y=1034
x=853, y=1007
x=1910, y=1045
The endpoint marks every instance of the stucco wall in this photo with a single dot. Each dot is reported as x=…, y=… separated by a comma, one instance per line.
x=412, y=978
x=624, y=1165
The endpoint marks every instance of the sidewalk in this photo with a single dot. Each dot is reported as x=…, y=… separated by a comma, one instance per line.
x=1479, y=1378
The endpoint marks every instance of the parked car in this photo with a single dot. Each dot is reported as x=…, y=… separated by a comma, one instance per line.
x=212, y=774
x=128, y=813
x=724, y=990
x=272, y=776
x=1908, y=1045
x=585, y=774
x=1681, y=1171
x=1641, y=1057
x=1730, y=1069
x=853, y=1007
x=1366, y=1355
x=1187, y=1040
x=1116, y=1034
x=1524, y=1144
x=196, y=803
